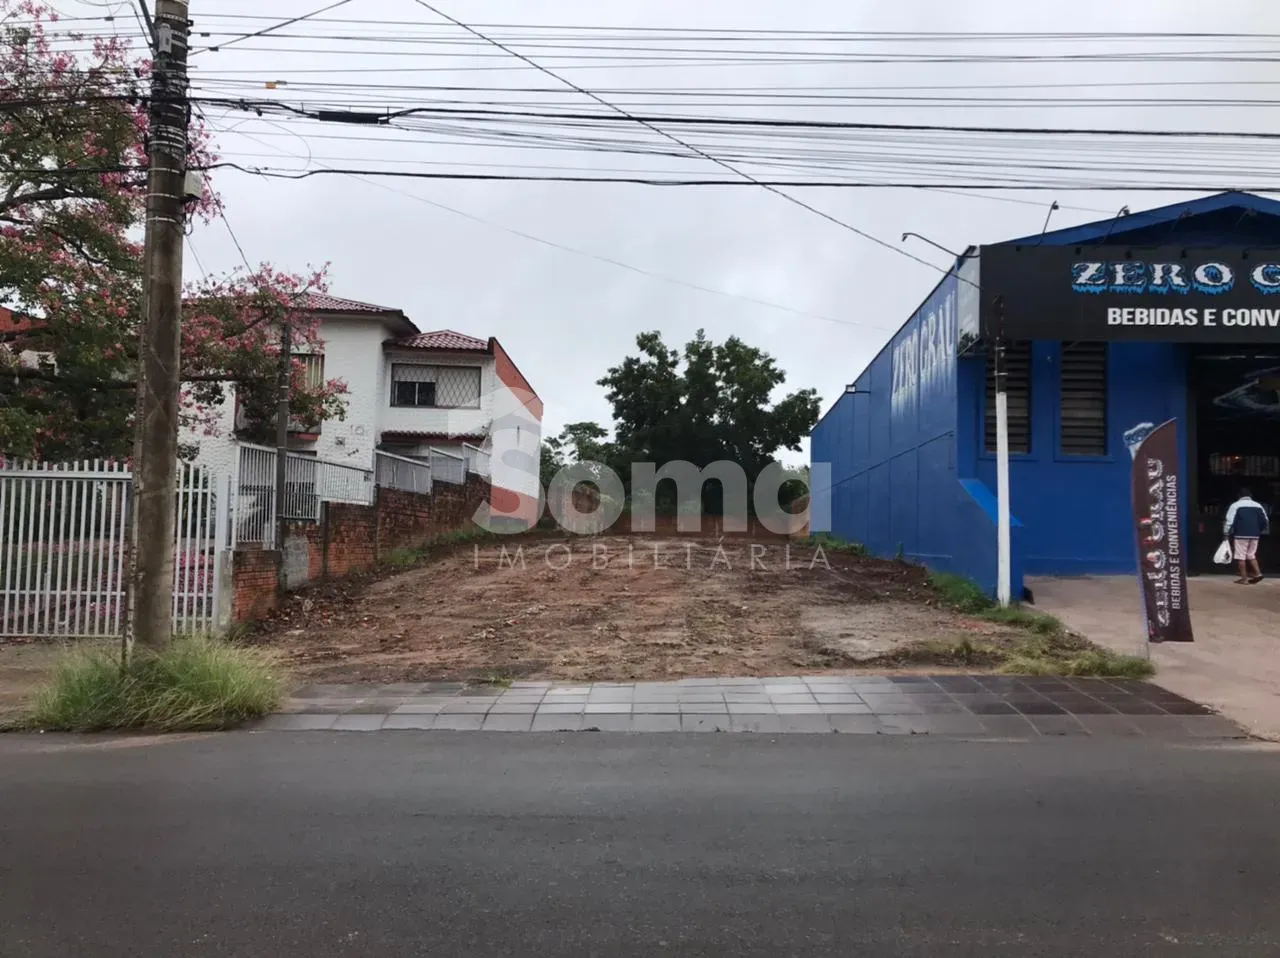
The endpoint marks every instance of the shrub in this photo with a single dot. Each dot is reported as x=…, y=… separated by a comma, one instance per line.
x=195, y=684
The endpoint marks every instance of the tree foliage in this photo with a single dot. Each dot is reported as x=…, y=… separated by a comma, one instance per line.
x=710, y=402
x=72, y=205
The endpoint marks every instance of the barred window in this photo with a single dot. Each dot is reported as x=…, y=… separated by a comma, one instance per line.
x=312, y=369
x=1084, y=399
x=440, y=387
x=1017, y=357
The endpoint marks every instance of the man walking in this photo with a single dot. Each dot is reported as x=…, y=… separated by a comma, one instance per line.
x=1246, y=523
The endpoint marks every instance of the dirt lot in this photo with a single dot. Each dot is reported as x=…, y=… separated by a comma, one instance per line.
x=614, y=608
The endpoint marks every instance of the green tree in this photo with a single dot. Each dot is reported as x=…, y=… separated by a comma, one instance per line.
x=710, y=402
x=72, y=204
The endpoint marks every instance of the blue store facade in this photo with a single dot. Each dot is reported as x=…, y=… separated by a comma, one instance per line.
x=910, y=444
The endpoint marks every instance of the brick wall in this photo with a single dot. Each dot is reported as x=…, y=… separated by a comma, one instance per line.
x=254, y=574
x=352, y=538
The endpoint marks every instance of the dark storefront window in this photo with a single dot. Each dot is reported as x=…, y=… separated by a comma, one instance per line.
x=1017, y=356
x=1084, y=399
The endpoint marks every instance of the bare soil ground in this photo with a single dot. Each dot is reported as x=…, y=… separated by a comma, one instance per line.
x=657, y=608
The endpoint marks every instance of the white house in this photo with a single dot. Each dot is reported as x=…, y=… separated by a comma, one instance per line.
x=409, y=391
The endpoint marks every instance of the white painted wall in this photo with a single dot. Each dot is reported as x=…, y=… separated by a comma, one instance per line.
x=218, y=452
x=352, y=353
x=516, y=443
x=453, y=422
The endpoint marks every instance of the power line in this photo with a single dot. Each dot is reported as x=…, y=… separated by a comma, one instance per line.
x=677, y=140
x=271, y=29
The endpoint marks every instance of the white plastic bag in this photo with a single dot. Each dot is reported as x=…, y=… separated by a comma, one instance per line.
x=1223, y=555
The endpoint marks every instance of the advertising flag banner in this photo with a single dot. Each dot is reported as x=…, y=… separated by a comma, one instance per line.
x=1157, y=516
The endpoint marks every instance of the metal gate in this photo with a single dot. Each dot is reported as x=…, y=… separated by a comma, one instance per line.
x=64, y=533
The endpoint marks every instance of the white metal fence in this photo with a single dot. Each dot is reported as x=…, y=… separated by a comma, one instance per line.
x=400, y=472
x=447, y=466
x=64, y=531
x=477, y=459
x=308, y=482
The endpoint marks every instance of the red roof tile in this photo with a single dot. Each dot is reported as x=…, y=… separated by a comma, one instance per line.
x=323, y=302
x=444, y=339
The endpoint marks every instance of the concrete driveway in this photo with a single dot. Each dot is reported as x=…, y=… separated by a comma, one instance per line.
x=1234, y=663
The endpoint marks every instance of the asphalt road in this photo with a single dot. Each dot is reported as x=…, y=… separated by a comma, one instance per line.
x=461, y=844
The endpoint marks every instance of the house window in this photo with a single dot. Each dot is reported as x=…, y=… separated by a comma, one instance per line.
x=439, y=387
x=312, y=370
x=1017, y=357
x=1084, y=399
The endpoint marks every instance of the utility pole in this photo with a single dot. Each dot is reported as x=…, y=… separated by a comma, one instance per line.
x=284, y=376
x=159, y=376
x=1004, y=560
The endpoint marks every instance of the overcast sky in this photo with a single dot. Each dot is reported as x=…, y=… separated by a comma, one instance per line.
x=566, y=317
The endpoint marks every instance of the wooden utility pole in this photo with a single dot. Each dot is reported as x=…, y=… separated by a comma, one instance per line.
x=155, y=455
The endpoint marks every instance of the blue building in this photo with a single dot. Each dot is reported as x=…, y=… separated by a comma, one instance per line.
x=1182, y=327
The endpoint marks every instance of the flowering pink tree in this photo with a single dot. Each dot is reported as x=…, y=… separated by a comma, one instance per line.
x=72, y=205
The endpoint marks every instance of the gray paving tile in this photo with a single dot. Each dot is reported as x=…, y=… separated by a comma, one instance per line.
x=607, y=723
x=1058, y=725
x=556, y=723
x=536, y=696
x=792, y=698
x=655, y=708
x=1161, y=726
x=459, y=722
x=466, y=708
x=835, y=698
x=690, y=683
x=845, y=708
x=1008, y=726
x=611, y=695
x=297, y=723
x=608, y=708
x=938, y=724
x=409, y=721
x=561, y=708
x=752, y=708
x=1212, y=726
x=655, y=723
x=798, y=708
x=419, y=708
x=514, y=708
x=703, y=708
x=855, y=724
x=893, y=707
x=755, y=723
x=530, y=685
x=704, y=723
x=358, y=723
x=379, y=707
x=741, y=683
x=507, y=723
x=1109, y=726
x=695, y=697
x=804, y=723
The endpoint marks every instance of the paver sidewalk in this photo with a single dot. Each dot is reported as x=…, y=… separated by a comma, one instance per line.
x=1232, y=666
x=981, y=706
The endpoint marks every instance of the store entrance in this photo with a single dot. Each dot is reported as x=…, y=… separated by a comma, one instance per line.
x=1234, y=443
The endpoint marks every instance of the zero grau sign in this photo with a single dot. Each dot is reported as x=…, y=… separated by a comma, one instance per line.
x=1167, y=293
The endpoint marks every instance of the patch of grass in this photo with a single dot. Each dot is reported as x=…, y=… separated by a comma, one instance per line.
x=1043, y=659
x=1044, y=647
x=494, y=679
x=964, y=594
x=830, y=543
x=408, y=557
x=196, y=684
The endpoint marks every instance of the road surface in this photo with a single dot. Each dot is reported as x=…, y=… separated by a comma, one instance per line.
x=471, y=844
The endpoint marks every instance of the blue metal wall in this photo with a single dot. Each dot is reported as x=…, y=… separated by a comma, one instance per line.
x=892, y=447
x=1075, y=510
